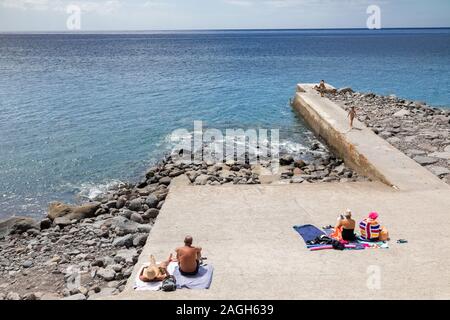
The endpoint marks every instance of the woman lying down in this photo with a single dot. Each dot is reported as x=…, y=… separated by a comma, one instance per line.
x=156, y=272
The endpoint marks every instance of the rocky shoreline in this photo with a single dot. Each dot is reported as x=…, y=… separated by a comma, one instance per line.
x=88, y=251
x=420, y=131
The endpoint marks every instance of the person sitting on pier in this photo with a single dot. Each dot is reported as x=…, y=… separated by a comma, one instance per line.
x=188, y=257
x=155, y=272
x=345, y=227
x=321, y=87
x=371, y=230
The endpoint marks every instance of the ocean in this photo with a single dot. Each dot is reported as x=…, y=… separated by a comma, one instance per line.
x=81, y=112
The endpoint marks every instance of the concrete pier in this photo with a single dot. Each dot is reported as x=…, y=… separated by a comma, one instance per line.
x=246, y=230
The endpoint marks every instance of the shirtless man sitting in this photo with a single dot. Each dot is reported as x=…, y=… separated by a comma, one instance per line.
x=188, y=258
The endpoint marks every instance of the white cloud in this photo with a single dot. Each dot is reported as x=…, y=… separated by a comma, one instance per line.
x=242, y=3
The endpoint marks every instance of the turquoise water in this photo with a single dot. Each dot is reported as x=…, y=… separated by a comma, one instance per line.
x=80, y=111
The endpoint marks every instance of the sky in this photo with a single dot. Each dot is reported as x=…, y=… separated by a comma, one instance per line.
x=118, y=15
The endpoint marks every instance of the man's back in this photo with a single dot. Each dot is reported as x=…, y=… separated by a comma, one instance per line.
x=188, y=257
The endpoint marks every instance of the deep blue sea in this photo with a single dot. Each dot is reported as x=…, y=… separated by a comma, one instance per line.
x=80, y=111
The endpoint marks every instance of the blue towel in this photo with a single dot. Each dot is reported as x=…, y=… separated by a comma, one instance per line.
x=202, y=280
x=308, y=232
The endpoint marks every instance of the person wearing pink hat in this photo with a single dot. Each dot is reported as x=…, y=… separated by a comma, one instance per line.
x=371, y=230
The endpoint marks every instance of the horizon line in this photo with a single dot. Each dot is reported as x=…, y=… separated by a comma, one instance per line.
x=203, y=30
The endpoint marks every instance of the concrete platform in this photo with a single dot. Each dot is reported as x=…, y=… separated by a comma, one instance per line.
x=246, y=230
x=361, y=149
x=246, y=233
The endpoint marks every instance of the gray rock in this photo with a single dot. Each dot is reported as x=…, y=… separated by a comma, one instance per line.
x=45, y=224
x=77, y=297
x=440, y=155
x=140, y=240
x=127, y=255
x=106, y=274
x=402, y=113
x=151, y=213
x=136, y=217
x=135, y=205
x=111, y=204
x=27, y=264
x=201, y=179
x=62, y=221
x=120, y=202
x=439, y=171
x=165, y=181
x=17, y=225
x=425, y=160
x=151, y=201
x=12, y=296
x=447, y=148
x=286, y=160
x=125, y=241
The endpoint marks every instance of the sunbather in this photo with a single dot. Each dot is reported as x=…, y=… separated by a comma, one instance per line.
x=371, y=230
x=155, y=272
x=188, y=257
x=321, y=87
x=345, y=227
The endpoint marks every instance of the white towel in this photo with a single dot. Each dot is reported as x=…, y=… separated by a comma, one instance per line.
x=152, y=286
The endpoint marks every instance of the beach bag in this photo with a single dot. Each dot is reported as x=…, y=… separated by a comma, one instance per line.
x=169, y=284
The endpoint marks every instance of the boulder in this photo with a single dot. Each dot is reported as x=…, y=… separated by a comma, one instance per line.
x=402, y=113
x=135, y=205
x=125, y=241
x=107, y=274
x=17, y=225
x=62, y=221
x=136, y=217
x=140, y=240
x=127, y=255
x=422, y=160
x=165, y=181
x=59, y=209
x=439, y=171
x=286, y=160
x=151, y=201
x=151, y=213
x=201, y=179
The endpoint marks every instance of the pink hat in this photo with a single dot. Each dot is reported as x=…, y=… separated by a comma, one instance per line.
x=373, y=215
